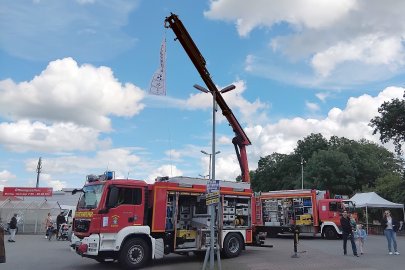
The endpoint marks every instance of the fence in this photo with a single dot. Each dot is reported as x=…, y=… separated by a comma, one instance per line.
x=30, y=215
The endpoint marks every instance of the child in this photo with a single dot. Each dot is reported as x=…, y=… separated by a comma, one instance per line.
x=360, y=235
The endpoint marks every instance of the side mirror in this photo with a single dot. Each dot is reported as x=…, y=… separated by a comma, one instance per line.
x=113, y=197
x=76, y=190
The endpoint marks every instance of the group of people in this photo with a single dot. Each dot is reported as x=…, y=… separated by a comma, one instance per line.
x=49, y=224
x=357, y=235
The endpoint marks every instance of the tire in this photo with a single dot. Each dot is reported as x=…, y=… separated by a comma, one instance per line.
x=233, y=245
x=134, y=254
x=330, y=233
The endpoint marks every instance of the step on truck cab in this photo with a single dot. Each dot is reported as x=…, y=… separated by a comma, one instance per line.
x=133, y=222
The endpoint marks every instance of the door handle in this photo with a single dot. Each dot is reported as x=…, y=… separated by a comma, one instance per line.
x=132, y=219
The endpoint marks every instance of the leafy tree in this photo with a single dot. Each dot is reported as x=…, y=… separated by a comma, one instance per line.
x=391, y=187
x=311, y=144
x=391, y=123
x=275, y=171
x=331, y=170
x=369, y=161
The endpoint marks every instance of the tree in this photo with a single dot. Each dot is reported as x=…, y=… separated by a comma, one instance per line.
x=391, y=187
x=311, y=144
x=331, y=170
x=391, y=123
x=369, y=161
x=275, y=171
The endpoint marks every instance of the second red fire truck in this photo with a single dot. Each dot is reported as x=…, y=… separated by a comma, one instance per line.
x=312, y=211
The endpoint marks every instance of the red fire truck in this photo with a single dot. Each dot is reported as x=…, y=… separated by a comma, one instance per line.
x=312, y=211
x=133, y=222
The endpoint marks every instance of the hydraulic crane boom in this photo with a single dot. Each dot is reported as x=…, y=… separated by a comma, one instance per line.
x=240, y=140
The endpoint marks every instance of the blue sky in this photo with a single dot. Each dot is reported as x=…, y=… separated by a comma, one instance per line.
x=75, y=75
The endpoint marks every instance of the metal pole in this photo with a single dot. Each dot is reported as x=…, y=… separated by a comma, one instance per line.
x=39, y=167
x=212, y=221
x=209, y=169
x=302, y=173
x=367, y=218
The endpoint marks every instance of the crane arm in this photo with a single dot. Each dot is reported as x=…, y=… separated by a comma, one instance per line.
x=240, y=140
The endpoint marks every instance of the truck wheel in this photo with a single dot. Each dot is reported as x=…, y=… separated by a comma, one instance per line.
x=233, y=245
x=330, y=233
x=134, y=254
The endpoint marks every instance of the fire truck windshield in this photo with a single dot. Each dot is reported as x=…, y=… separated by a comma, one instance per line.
x=91, y=196
x=349, y=206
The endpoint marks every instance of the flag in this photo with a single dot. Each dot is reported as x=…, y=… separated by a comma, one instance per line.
x=158, y=83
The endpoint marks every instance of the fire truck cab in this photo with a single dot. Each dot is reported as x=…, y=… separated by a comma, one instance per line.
x=132, y=221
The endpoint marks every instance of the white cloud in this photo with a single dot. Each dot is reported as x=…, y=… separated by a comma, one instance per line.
x=67, y=92
x=322, y=96
x=235, y=100
x=331, y=44
x=64, y=108
x=370, y=49
x=46, y=180
x=351, y=122
x=252, y=14
x=173, y=154
x=25, y=136
x=5, y=177
x=120, y=160
x=164, y=170
x=313, y=107
x=224, y=140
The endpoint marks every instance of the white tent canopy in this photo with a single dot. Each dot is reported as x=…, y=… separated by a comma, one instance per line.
x=372, y=199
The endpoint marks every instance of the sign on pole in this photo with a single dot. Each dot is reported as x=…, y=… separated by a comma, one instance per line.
x=212, y=192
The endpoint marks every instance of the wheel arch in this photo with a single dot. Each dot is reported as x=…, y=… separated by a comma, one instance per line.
x=330, y=224
x=241, y=233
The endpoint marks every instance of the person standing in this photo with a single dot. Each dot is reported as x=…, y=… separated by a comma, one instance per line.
x=2, y=248
x=347, y=233
x=60, y=219
x=390, y=226
x=360, y=236
x=13, y=228
x=48, y=223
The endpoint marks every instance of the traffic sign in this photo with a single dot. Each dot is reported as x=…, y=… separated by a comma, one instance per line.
x=212, y=198
x=213, y=186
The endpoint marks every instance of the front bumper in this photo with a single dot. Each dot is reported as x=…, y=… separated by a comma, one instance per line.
x=88, y=246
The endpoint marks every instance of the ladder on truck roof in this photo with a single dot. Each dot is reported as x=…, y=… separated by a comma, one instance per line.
x=200, y=181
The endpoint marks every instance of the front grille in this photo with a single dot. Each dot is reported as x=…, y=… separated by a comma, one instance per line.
x=81, y=225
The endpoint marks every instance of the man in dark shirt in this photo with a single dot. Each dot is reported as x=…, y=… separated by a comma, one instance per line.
x=60, y=219
x=347, y=233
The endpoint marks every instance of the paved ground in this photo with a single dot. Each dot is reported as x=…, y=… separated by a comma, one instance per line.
x=35, y=252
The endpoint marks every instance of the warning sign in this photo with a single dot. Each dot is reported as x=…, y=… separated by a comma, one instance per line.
x=212, y=198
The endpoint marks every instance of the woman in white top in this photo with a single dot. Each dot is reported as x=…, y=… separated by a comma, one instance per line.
x=390, y=226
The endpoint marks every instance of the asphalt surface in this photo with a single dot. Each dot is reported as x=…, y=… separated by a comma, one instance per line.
x=35, y=252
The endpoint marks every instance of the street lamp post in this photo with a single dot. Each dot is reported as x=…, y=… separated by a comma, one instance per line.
x=209, y=165
x=302, y=172
x=212, y=174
